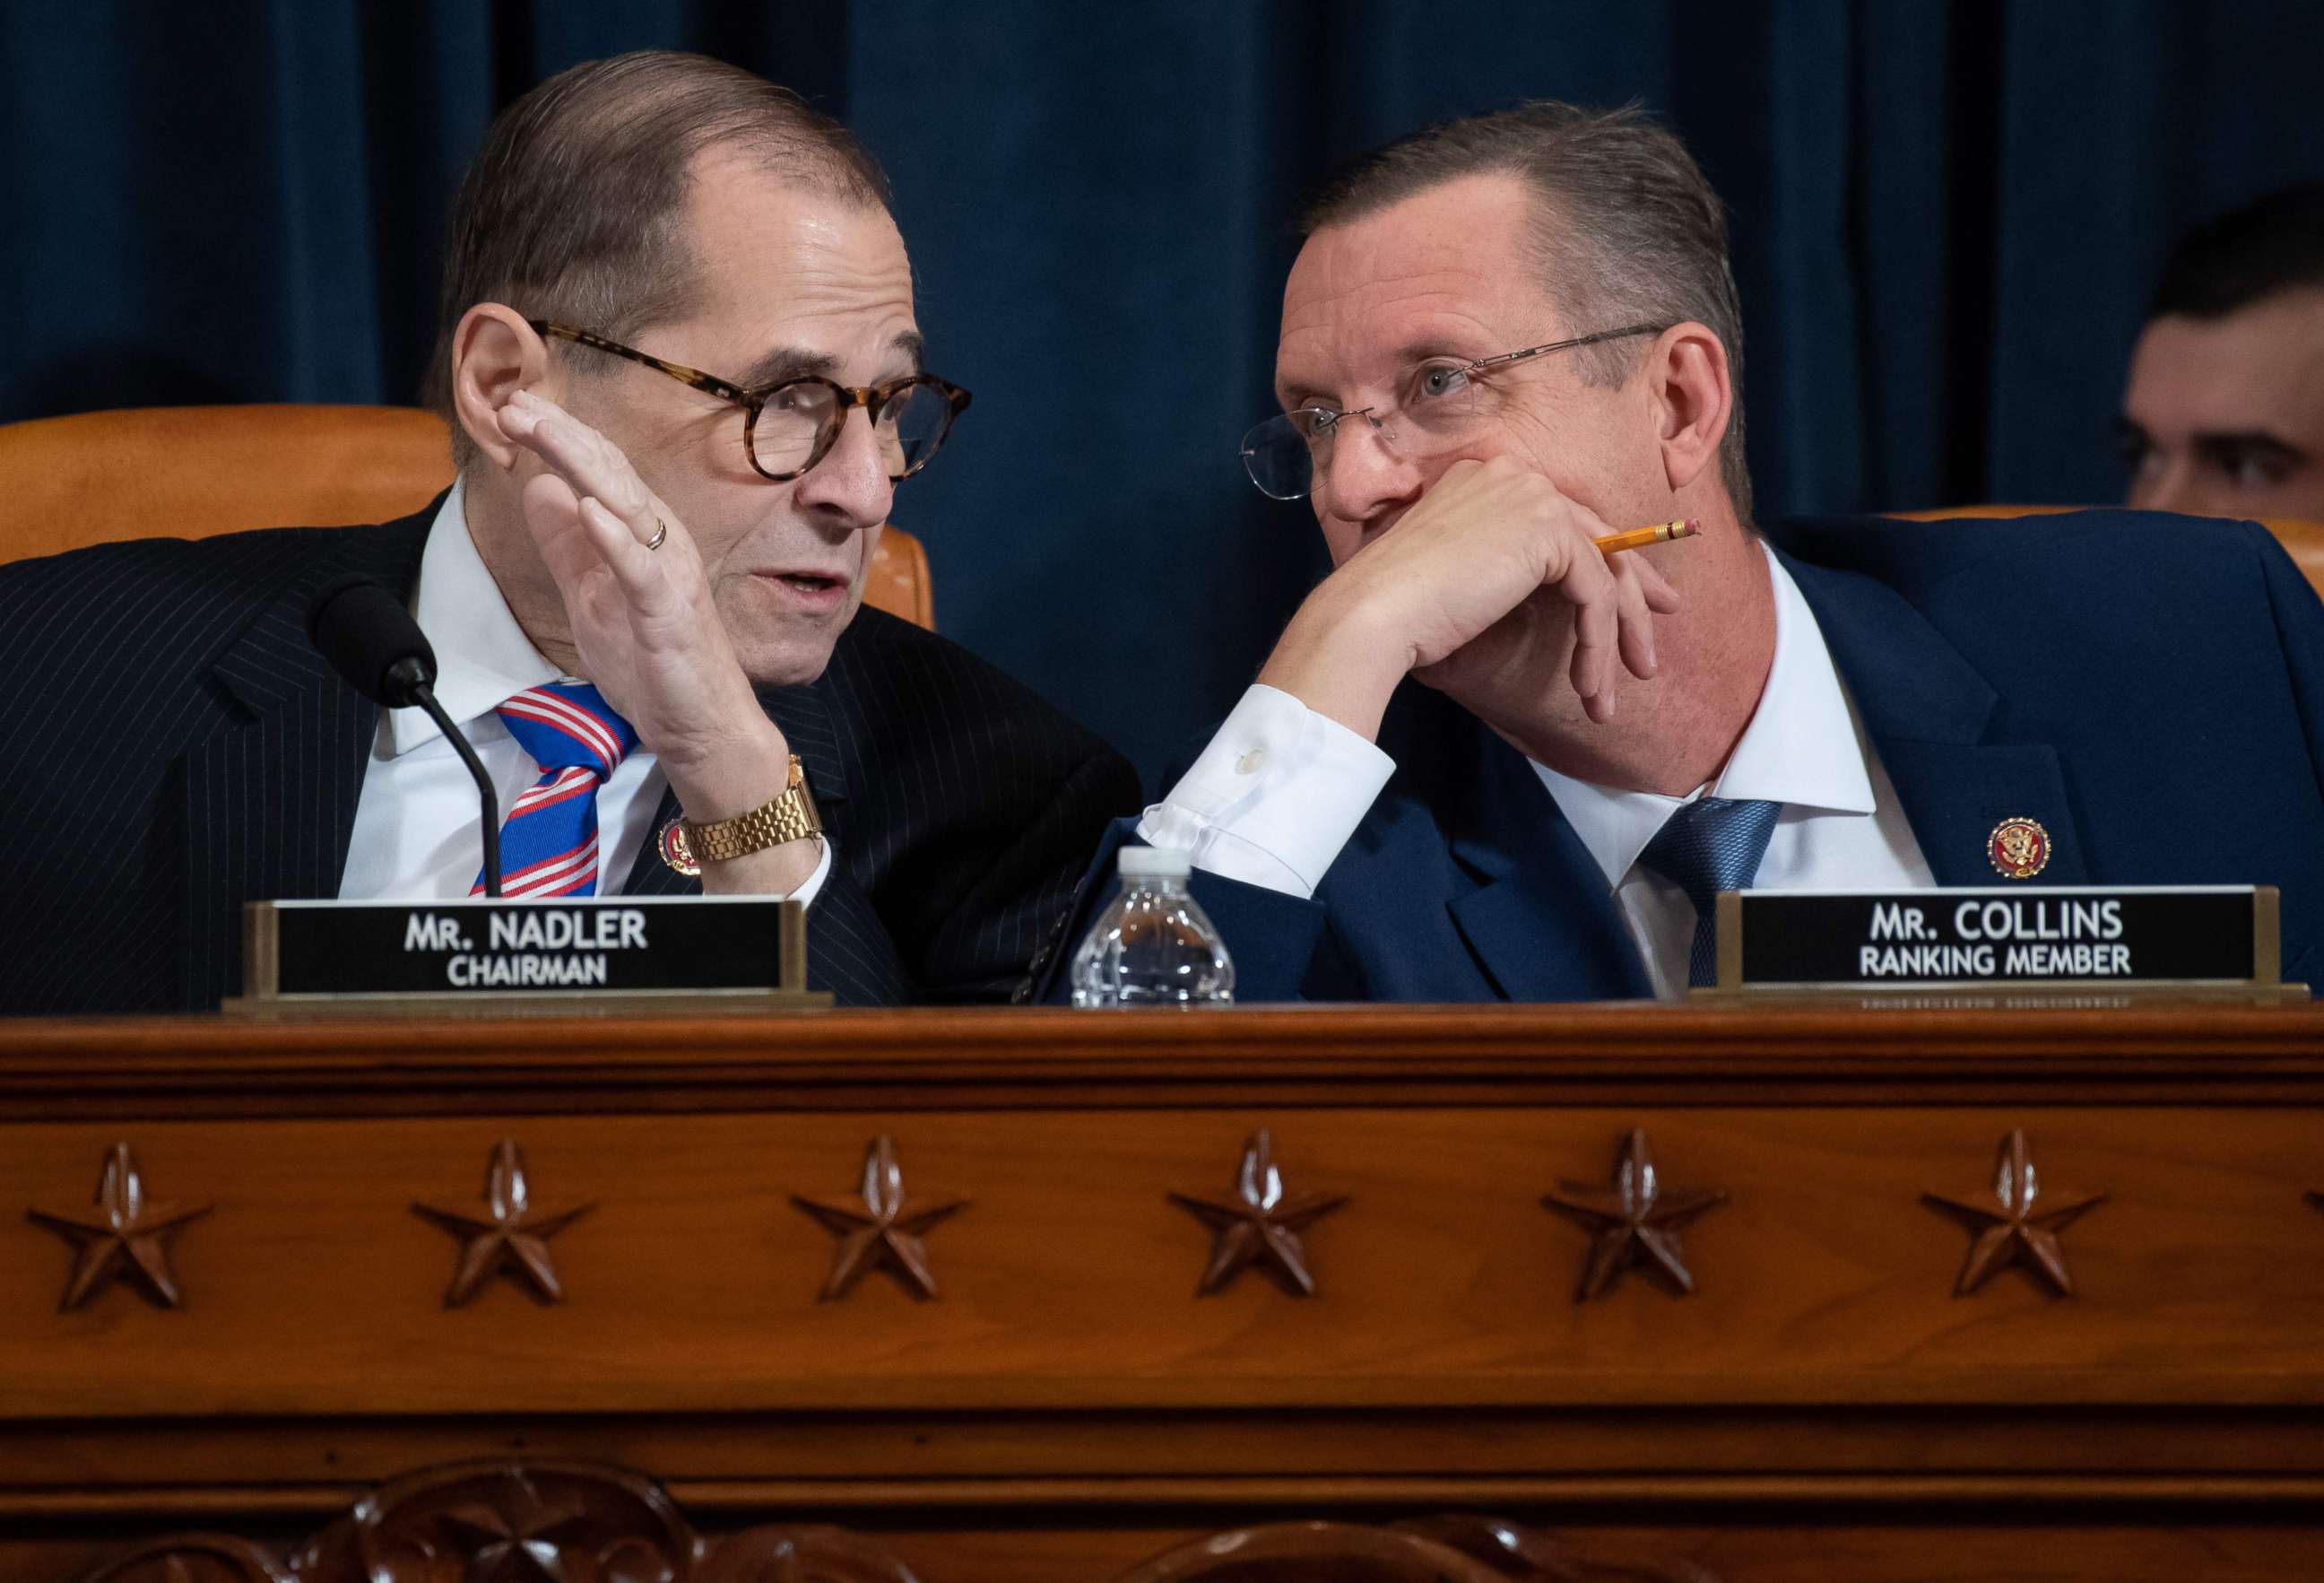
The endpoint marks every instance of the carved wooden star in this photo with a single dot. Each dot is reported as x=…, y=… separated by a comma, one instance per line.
x=523, y=1547
x=1637, y=1221
x=121, y=1235
x=514, y=1238
x=883, y=1230
x=1259, y=1226
x=2010, y=1229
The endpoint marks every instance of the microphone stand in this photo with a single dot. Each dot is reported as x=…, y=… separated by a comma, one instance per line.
x=361, y=628
x=425, y=697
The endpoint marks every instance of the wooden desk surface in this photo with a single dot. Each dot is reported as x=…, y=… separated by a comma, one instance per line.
x=1822, y=1377
x=53, y=1069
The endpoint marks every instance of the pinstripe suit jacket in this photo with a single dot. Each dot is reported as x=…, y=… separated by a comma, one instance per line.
x=174, y=747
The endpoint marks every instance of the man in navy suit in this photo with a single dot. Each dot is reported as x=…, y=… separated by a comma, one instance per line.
x=684, y=374
x=1510, y=336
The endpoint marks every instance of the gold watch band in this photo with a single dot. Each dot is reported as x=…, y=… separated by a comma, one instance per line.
x=790, y=816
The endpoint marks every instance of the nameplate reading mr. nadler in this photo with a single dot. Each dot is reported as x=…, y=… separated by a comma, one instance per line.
x=475, y=946
x=2151, y=936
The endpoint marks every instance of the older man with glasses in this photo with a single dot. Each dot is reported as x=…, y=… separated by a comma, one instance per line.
x=1508, y=338
x=684, y=375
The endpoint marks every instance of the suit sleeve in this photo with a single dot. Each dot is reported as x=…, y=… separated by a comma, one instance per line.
x=2299, y=628
x=1275, y=797
x=1006, y=925
x=848, y=949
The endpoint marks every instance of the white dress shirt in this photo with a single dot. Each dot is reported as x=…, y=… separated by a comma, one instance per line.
x=1277, y=794
x=1841, y=828
x=415, y=835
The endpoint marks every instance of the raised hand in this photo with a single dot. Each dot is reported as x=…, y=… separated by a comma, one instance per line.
x=1481, y=574
x=642, y=619
x=649, y=634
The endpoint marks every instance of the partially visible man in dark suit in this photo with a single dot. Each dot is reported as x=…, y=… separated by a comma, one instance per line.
x=1508, y=336
x=661, y=565
x=2224, y=413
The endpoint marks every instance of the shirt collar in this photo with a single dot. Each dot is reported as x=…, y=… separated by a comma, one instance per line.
x=483, y=657
x=1801, y=748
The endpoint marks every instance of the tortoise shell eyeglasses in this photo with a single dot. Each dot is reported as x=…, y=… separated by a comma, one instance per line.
x=791, y=425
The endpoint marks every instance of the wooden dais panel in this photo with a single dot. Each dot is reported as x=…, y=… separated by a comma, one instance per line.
x=1158, y=1276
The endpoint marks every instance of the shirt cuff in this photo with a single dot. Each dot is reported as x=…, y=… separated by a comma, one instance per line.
x=1275, y=796
x=812, y=886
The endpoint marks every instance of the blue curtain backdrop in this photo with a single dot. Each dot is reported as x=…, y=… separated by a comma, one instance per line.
x=1947, y=219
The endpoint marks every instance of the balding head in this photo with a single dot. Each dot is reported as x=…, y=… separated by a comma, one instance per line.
x=575, y=207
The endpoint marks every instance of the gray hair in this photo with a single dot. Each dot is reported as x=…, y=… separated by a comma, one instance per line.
x=1625, y=228
x=574, y=208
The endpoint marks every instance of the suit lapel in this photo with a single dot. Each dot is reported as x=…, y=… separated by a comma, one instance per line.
x=1929, y=713
x=1542, y=923
x=1955, y=796
x=268, y=803
x=649, y=874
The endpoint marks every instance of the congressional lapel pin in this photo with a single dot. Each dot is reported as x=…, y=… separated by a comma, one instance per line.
x=2019, y=848
x=676, y=854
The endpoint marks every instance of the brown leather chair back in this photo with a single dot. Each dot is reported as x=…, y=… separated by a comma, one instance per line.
x=190, y=472
x=2302, y=540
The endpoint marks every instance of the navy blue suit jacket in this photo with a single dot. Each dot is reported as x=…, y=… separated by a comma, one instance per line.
x=171, y=747
x=2151, y=688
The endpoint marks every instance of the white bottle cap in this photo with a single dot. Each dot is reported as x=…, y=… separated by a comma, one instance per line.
x=1155, y=862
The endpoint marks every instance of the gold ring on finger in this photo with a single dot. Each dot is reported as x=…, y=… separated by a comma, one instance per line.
x=661, y=531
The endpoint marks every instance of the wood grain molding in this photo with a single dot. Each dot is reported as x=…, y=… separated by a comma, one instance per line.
x=510, y=1236
x=2166, y=1549
x=882, y=1229
x=1635, y=1222
x=193, y=1557
x=543, y=1520
x=1453, y=1548
x=2016, y=1221
x=1522, y=1551
x=546, y=1521
x=930, y=1059
x=1259, y=1223
x=122, y=1236
x=516, y=1522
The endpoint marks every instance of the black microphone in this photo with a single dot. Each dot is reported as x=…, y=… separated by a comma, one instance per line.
x=370, y=638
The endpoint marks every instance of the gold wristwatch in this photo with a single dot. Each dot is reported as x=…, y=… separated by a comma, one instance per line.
x=790, y=816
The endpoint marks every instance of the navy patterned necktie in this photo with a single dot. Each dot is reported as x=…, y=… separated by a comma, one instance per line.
x=549, y=842
x=1712, y=845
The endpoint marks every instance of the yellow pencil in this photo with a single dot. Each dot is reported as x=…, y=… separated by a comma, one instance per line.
x=1639, y=538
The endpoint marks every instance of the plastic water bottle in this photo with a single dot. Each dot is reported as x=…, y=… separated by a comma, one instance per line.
x=1153, y=947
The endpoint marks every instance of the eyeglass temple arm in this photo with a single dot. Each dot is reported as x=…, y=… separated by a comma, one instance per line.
x=1588, y=340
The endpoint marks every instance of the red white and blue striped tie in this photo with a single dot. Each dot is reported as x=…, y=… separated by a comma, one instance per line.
x=549, y=842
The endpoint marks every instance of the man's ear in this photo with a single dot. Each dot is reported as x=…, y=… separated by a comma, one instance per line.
x=1692, y=396
x=495, y=354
